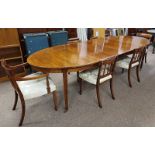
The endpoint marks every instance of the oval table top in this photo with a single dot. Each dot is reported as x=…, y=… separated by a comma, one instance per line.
x=80, y=54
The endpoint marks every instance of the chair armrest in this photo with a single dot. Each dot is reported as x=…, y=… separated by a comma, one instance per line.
x=18, y=66
x=30, y=78
x=6, y=66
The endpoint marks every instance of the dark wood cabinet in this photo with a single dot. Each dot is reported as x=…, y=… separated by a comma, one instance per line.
x=12, y=47
x=133, y=31
x=72, y=33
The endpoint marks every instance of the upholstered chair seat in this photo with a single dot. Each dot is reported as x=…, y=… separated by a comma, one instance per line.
x=92, y=75
x=35, y=88
x=125, y=63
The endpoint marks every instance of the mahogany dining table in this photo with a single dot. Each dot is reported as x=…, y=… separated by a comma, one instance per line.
x=80, y=55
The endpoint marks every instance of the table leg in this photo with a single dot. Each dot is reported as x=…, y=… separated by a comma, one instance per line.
x=65, y=81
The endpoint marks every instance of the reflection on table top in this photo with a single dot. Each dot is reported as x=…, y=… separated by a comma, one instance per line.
x=151, y=31
x=80, y=54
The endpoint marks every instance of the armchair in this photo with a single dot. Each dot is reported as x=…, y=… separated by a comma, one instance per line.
x=27, y=87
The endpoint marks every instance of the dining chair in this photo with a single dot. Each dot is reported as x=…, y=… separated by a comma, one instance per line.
x=103, y=72
x=30, y=86
x=150, y=38
x=131, y=62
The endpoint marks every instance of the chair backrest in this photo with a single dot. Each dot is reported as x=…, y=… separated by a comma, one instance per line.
x=35, y=42
x=120, y=31
x=137, y=55
x=10, y=73
x=116, y=31
x=106, y=67
x=58, y=37
x=107, y=33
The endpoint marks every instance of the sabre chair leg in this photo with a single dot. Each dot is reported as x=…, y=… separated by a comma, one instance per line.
x=145, y=57
x=15, y=102
x=55, y=100
x=137, y=72
x=129, y=78
x=142, y=61
x=23, y=110
x=98, y=96
x=111, y=88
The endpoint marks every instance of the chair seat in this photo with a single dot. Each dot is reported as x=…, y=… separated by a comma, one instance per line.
x=130, y=56
x=124, y=63
x=92, y=75
x=35, y=88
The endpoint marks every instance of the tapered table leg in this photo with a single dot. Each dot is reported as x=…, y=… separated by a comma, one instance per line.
x=65, y=81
